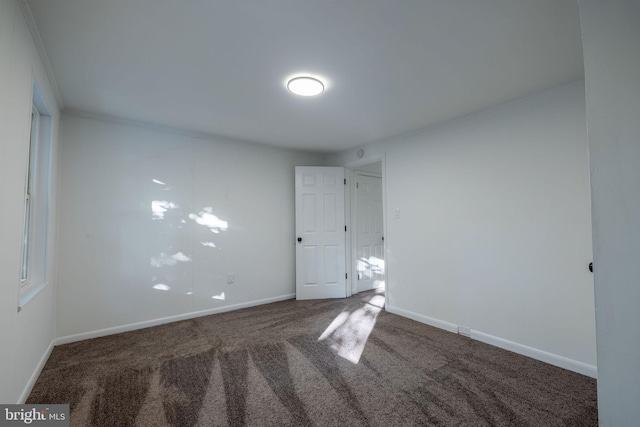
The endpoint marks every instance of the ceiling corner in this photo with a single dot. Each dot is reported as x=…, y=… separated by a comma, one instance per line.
x=31, y=23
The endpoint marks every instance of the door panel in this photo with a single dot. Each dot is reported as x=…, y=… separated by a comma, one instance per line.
x=320, y=233
x=309, y=216
x=310, y=256
x=330, y=214
x=331, y=265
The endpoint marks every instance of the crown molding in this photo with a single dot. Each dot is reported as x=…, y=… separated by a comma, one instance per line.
x=31, y=23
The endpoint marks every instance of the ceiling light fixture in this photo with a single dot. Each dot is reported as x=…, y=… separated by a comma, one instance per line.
x=305, y=86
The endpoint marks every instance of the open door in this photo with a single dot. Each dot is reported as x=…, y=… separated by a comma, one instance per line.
x=320, y=233
x=369, y=241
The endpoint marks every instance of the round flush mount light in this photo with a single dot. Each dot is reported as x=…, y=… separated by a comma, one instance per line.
x=305, y=86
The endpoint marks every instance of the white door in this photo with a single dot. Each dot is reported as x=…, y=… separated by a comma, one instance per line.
x=320, y=233
x=369, y=239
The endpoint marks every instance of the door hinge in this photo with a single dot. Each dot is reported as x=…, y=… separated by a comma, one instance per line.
x=345, y=276
x=345, y=181
x=358, y=276
x=357, y=185
x=345, y=228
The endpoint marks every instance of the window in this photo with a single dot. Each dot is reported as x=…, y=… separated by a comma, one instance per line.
x=33, y=265
x=33, y=144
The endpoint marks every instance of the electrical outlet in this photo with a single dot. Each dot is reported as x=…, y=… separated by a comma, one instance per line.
x=464, y=331
x=231, y=278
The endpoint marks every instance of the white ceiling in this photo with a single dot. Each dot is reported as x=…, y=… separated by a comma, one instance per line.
x=391, y=66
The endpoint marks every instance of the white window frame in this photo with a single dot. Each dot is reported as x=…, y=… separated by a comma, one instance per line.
x=28, y=190
x=34, y=248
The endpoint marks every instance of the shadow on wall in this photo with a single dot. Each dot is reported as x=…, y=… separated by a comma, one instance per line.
x=169, y=217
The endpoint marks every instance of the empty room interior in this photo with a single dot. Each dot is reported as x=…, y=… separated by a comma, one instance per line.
x=321, y=212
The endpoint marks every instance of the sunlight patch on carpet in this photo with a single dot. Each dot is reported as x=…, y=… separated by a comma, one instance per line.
x=348, y=332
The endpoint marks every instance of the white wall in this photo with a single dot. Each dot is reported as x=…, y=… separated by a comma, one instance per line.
x=494, y=228
x=25, y=337
x=114, y=250
x=611, y=38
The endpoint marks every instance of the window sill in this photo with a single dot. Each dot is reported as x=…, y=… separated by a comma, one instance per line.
x=29, y=292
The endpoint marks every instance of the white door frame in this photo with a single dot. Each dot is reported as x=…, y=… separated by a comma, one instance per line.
x=352, y=283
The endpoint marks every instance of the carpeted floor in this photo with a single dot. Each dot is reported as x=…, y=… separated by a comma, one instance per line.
x=308, y=363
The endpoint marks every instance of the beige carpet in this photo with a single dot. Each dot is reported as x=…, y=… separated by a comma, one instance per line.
x=308, y=363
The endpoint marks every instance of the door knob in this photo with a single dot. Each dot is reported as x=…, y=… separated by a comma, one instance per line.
x=299, y=239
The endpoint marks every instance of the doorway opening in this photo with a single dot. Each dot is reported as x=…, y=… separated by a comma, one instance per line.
x=366, y=250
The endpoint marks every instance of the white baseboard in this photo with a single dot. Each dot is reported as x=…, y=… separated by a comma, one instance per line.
x=534, y=353
x=36, y=373
x=544, y=356
x=155, y=322
x=440, y=324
